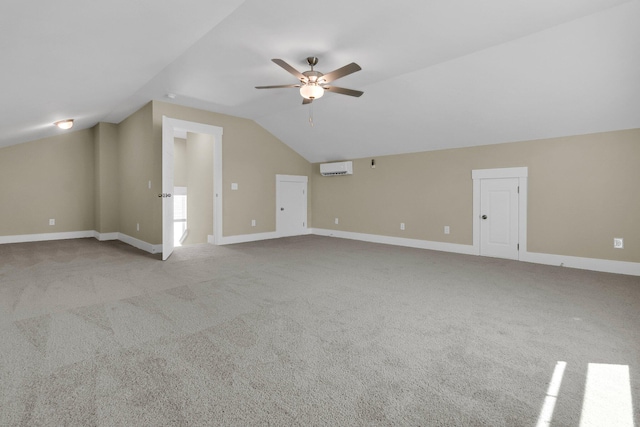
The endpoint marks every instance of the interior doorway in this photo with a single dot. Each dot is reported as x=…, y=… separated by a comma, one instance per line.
x=171, y=127
x=500, y=212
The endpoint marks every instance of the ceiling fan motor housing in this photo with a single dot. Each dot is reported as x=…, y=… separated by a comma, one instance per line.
x=313, y=76
x=312, y=83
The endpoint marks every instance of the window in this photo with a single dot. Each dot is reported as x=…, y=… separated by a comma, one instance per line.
x=179, y=215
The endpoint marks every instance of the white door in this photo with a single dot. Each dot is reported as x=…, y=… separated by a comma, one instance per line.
x=499, y=218
x=167, y=188
x=291, y=205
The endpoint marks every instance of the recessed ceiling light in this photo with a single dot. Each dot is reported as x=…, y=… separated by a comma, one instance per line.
x=171, y=95
x=65, y=124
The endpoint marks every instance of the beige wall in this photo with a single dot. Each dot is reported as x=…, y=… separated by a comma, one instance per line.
x=137, y=166
x=583, y=192
x=107, y=181
x=180, y=162
x=97, y=179
x=48, y=178
x=251, y=157
x=199, y=187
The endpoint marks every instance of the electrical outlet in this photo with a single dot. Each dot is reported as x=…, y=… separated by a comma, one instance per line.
x=137, y=226
x=402, y=226
x=335, y=221
x=447, y=230
x=234, y=185
x=618, y=243
x=52, y=221
x=253, y=222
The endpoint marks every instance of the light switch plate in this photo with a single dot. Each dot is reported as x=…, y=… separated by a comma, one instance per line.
x=618, y=242
x=234, y=185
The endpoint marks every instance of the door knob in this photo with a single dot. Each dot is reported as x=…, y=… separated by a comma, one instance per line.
x=281, y=209
x=484, y=217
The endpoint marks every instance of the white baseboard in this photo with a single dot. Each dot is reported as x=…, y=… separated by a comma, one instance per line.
x=603, y=265
x=594, y=264
x=25, y=238
x=137, y=243
x=244, y=238
x=398, y=241
x=105, y=236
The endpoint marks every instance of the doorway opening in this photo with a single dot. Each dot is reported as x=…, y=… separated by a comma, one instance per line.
x=171, y=127
x=180, y=225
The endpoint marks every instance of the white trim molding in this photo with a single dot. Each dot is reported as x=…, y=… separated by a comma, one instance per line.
x=217, y=132
x=106, y=236
x=397, y=241
x=302, y=179
x=593, y=264
x=43, y=237
x=244, y=238
x=140, y=244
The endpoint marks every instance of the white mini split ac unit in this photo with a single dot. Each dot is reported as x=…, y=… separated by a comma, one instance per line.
x=337, y=168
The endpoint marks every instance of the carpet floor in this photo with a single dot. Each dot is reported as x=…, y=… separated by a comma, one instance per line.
x=304, y=331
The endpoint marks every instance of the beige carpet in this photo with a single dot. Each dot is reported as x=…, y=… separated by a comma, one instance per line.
x=300, y=331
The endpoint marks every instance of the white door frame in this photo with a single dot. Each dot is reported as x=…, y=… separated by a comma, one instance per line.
x=291, y=178
x=522, y=173
x=169, y=127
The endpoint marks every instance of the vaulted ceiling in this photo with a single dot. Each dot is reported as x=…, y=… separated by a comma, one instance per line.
x=435, y=74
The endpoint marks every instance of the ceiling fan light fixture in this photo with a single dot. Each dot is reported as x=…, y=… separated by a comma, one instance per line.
x=311, y=91
x=64, y=124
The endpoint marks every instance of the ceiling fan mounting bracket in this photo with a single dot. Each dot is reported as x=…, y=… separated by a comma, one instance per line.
x=312, y=61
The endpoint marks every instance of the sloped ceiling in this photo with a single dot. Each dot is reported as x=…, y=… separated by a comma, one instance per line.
x=436, y=74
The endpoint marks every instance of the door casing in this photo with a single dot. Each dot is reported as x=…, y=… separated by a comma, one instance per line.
x=281, y=229
x=169, y=127
x=522, y=174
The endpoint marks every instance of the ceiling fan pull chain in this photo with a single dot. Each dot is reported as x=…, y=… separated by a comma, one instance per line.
x=311, y=115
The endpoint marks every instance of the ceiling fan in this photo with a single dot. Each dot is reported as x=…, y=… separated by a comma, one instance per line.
x=313, y=83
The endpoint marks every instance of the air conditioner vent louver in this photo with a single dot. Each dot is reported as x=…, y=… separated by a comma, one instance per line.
x=336, y=169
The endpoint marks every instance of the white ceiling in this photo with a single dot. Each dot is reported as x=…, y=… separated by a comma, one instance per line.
x=436, y=74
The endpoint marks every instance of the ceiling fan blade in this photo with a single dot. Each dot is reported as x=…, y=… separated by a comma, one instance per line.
x=343, y=91
x=306, y=101
x=276, y=86
x=298, y=75
x=341, y=72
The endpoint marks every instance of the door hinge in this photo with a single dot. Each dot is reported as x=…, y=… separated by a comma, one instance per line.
x=303, y=224
x=518, y=189
x=518, y=246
